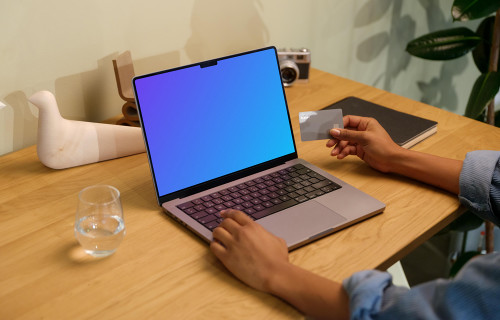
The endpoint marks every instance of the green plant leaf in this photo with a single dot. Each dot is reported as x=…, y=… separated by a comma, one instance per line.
x=485, y=88
x=444, y=45
x=463, y=10
x=481, y=52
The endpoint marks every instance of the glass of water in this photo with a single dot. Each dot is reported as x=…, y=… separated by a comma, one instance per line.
x=99, y=225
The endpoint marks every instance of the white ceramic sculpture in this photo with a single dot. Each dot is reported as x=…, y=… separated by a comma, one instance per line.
x=66, y=143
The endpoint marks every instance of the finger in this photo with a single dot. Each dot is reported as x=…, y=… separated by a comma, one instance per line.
x=238, y=216
x=330, y=143
x=222, y=235
x=352, y=121
x=348, y=150
x=339, y=147
x=218, y=249
x=348, y=135
x=229, y=225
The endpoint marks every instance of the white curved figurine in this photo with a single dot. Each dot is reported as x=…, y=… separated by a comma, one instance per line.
x=66, y=143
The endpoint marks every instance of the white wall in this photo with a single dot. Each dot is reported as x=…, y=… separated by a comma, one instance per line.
x=67, y=47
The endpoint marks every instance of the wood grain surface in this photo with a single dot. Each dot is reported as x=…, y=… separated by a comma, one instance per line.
x=161, y=270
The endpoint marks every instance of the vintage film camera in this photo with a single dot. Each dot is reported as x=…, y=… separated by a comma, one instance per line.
x=294, y=65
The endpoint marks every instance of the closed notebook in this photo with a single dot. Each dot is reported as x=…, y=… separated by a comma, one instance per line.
x=405, y=129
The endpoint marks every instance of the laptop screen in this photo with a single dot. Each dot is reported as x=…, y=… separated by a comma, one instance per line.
x=211, y=119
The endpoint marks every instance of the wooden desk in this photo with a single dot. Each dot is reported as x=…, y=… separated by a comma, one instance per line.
x=161, y=270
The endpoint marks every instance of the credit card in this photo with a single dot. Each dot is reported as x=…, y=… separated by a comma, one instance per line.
x=316, y=125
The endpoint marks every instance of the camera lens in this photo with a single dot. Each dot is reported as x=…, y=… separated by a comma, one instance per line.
x=288, y=75
x=289, y=72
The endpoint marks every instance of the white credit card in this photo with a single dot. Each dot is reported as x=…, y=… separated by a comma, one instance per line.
x=316, y=125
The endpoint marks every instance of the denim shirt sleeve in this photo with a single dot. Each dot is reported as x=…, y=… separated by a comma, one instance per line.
x=472, y=294
x=480, y=184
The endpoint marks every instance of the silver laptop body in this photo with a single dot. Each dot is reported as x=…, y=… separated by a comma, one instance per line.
x=220, y=129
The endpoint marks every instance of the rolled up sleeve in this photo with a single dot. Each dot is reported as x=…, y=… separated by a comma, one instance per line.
x=365, y=290
x=480, y=184
x=472, y=294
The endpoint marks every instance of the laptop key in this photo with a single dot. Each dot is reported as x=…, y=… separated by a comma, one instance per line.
x=276, y=201
x=284, y=198
x=309, y=189
x=218, y=201
x=304, y=170
x=322, y=184
x=220, y=207
x=258, y=207
x=241, y=186
x=274, y=209
x=311, y=195
x=267, y=204
x=313, y=180
x=199, y=215
x=212, y=224
x=250, y=211
x=209, y=204
x=207, y=219
x=200, y=207
x=295, y=194
x=185, y=206
x=301, y=198
x=211, y=210
x=300, y=192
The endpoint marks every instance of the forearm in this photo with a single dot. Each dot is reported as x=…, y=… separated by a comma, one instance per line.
x=434, y=170
x=312, y=294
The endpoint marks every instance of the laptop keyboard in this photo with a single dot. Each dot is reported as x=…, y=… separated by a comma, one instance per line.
x=262, y=196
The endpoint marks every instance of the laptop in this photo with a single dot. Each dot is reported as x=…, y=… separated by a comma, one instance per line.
x=218, y=135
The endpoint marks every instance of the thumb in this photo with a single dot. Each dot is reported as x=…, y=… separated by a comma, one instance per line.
x=348, y=135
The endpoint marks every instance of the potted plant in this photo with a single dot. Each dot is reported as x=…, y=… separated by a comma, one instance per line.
x=484, y=44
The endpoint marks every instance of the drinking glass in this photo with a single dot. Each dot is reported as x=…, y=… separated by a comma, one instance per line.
x=99, y=225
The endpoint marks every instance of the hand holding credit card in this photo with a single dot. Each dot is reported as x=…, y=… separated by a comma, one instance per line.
x=316, y=125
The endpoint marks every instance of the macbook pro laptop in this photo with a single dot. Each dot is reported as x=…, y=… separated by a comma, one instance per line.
x=218, y=135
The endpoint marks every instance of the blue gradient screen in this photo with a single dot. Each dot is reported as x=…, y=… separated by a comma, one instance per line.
x=204, y=123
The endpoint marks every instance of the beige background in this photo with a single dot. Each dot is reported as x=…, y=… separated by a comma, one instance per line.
x=67, y=47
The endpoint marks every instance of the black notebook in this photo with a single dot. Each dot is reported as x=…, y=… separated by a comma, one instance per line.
x=405, y=129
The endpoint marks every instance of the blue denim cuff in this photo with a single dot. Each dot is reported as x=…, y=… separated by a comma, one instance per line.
x=475, y=182
x=365, y=290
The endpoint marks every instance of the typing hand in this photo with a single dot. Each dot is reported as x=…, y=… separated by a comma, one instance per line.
x=247, y=250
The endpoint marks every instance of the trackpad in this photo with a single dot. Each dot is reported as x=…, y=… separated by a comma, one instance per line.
x=300, y=223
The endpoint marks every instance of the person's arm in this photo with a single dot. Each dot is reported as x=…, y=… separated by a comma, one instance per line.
x=260, y=259
x=366, y=138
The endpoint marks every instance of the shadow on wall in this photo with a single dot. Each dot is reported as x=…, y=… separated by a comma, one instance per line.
x=225, y=27
x=94, y=94
x=25, y=120
x=219, y=28
x=86, y=96
x=402, y=30
x=439, y=90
